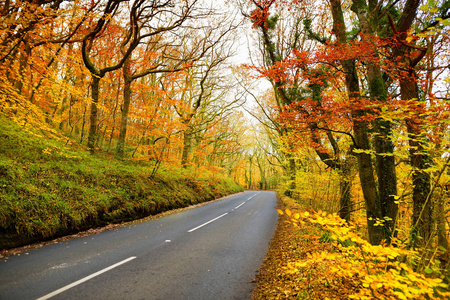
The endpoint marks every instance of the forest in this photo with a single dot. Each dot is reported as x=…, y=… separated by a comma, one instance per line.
x=341, y=106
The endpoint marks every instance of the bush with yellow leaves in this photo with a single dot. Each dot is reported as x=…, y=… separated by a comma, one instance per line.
x=375, y=271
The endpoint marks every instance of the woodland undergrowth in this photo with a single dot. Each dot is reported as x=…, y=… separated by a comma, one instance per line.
x=315, y=255
x=50, y=187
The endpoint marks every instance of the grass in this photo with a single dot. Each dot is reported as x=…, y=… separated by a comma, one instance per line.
x=50, y=187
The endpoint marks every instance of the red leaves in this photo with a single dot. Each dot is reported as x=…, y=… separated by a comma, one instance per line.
x=259, y=15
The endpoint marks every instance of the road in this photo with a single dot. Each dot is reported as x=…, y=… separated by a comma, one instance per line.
x=210, y=252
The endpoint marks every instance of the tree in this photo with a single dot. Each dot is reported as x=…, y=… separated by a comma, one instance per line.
x=298, y=90
x=202, y=88
x=167, y=51
x=141, y=17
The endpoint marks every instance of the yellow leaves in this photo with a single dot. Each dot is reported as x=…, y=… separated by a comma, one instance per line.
x=47, y=151
x=288, y=212
x=374, y=271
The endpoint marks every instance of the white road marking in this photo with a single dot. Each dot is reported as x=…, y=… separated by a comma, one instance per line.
x=193, y=229
x=52, y=294
x=239, y=205
x=253, y=196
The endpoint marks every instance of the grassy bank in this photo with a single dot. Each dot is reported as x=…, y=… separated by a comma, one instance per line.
x=50, y=188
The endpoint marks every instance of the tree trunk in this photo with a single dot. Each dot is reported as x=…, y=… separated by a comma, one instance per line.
x=422, y=219
x=23, y=62
x=422, y=208
x=385, y=164
x=387, y=178
x=187, y=143
x=360, y=130
x=250, y=179
x=385, y=161
x=94, y=113
x=419, y=160
x=368, y=183
x=262, y=171
x=345, y=185
x=292, y=172
x=441, y=222
x=124, y=119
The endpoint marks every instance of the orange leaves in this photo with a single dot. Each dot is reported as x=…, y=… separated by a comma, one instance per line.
x=259, y=15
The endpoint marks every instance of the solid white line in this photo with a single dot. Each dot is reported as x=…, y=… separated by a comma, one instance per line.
x=193, y=229
x=239, y=205
x=85, y=279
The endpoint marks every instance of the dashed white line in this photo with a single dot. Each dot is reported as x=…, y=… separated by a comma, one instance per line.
x=193, y=229
x=200, y=226
x=239, y=205
x=85, y=279
x=253, y=196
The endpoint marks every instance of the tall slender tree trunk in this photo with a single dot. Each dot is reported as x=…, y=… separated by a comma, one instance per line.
x=360, y=131
x=387, y=177
x=345, y=185
x=262, y=172
x=124, y=120
x=83, y=124
x=292, y=173
x=93, y=117
x=187, y=143
x=116, y=105
x=367, y=179
x=385, y=162
x=441, y=226
x=422, y=207
x=23, y=62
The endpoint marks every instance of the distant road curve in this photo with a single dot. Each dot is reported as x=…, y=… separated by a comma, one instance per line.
x=210, y=252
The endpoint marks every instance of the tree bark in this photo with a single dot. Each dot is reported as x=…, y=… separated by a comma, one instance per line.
x=124, y=120
x=441, y=222
x=187, y=142
x=360, y=130
x=345, y=185
x=422, y=220
x=292, y=173
x=368, y=18
x=93, y=117
x=421, y=230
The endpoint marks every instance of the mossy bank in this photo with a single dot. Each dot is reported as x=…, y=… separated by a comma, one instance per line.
x=49, y=188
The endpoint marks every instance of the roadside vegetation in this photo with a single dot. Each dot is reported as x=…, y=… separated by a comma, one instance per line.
x=49, y=188
x=357, y=117
x=317, y=255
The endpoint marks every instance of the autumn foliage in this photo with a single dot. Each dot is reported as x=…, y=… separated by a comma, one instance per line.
x=360, y=94
x=117, y=78
x=322, y=257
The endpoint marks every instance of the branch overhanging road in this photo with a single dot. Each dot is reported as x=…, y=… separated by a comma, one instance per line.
x=210, y=252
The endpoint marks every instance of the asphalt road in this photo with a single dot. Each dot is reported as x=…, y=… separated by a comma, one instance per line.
x=210, y=252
